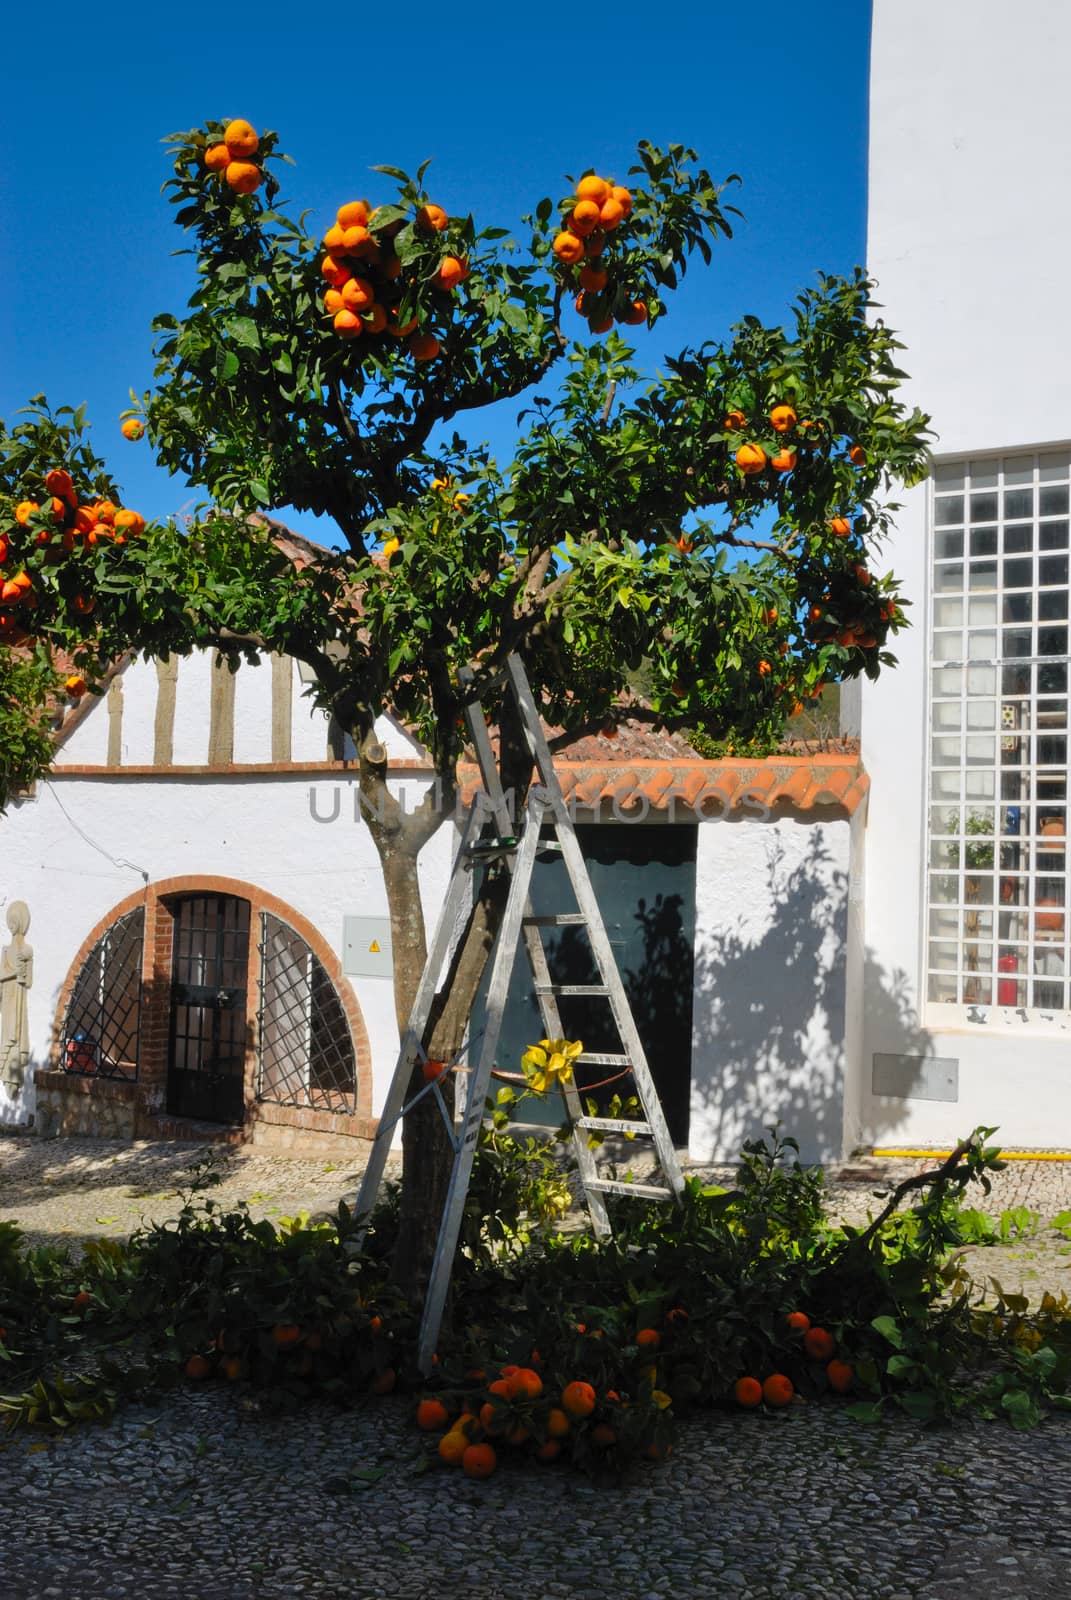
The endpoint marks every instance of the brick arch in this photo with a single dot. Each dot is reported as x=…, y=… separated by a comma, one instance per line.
x=156, y=1000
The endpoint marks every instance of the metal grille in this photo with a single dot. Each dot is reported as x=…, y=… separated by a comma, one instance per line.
x=101, y=1028
x=206, y=1071
x=305, y=1050
x=998, y=760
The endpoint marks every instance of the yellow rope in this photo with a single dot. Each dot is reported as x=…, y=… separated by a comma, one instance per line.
x=1006, y=1155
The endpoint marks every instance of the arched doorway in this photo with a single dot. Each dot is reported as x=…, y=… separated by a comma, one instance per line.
x=207, y=1035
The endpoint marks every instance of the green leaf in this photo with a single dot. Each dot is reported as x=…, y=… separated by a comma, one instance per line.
x=888, y=1329
x=243, y=330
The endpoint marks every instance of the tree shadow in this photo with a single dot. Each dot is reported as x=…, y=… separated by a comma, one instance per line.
x=778, y=1015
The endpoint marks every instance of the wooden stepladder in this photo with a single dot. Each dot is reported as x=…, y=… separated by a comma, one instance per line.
x=546, y=809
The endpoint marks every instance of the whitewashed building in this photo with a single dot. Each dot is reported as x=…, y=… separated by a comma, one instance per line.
x=967, y=1015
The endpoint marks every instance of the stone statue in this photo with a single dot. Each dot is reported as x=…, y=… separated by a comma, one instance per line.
x=16, y=978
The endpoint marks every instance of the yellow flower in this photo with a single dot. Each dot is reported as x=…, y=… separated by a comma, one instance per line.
x=390, y=547
x=550, y=1062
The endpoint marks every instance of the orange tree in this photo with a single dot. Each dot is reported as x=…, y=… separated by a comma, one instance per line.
x=710, y=531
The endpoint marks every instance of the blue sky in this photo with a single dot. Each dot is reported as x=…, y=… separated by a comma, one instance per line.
x=503, y=107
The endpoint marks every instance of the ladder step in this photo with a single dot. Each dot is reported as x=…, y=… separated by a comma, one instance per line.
x=645, y=1191
x=613, y=1125
x=556, y=919
x=572, y=988
x=596, y=1058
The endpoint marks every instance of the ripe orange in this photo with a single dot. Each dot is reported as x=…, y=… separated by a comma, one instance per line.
x=594, y=279
x=24, y=511
x=750, y=458
x=384, y=1381
x=748, y=1392
x=432, y=1415
x=84, y=604
x=578, y=1399
x=234, y=1368
x=133, y=429
x=636, y=314
x=130, y=521
x=286, y=1334
x=648, y=1338
x=603, y=325
x=75, y=686
x=611, y=214
x=333, y=301
x=593, y=188
x=401, y=330
x=354, y=214
x=355, y=239
x=783, y=461
x=358, y=294
x=424, y=346
x=782, y=418
x=217, y=157
x=198, y=1367
x=452, y=1447
x=243, y=177
x=558, y=1423
x=841, y=527
x=819, y=1344
x=452, y=271
x=518, y=1435
x=764, y=669
x=58, y=481
x=432, y=219
x=335, y=239
x=347, y=323
x=584, y=218
x=863, y=576
x=432, y=1069
x=857, y=456
x=375, y=1323
x=550, y=1450
x=568, y=248
x=678, y=1314
x=735, y=421
x=479, y=1461
x=799, y=1321
x=777, y=1390
x=623, y=197
x=335, y=271
x=840, y=1375
x=241, y=140
x=525, y=1384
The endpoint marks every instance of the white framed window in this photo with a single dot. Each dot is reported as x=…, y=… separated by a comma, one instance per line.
x=997, y=906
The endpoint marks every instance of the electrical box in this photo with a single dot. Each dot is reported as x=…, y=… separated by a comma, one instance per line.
x=366, y=947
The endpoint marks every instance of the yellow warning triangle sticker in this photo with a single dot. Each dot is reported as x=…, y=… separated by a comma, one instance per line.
x=373, y=948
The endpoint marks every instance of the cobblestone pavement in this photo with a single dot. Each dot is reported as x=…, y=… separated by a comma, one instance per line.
x=205, y=1496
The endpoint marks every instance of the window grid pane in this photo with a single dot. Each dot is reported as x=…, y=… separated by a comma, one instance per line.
x=997, y=883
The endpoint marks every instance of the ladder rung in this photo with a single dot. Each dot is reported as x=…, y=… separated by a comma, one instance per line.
x=646, y=1191
x=571, y=988
x=612, y=1125
x=596, y=1058
x=556, y=919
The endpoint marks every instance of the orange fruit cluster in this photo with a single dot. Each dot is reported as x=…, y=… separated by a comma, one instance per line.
x=590, y=218
x=60, y=525
x=365, y=276
x=819, y=1346
x=231, y=157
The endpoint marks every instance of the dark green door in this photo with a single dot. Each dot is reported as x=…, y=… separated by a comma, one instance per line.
x=206, y=1071
x=644, y=880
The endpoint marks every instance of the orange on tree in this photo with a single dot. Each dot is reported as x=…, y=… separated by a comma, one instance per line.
x=583, y=218
x=431, y=1069
x=777, y=1390
x=286, y=1334
x=375, y=318
x=636, y=313
x=241, y=139
x=354, y=214
x=358, y=294
x=782, y=418
x=593, y=188
x=549, y=1450
x=218, y=158
x=24, y=511
x=568, y=248
x=819, y=1344
x=750, y=458
x=735, y=421
x=494, y=1419
x=452, y=271
x=748, y=1392
x=133, y=429
x=840, y=526
x=783, y=461
x=243, y=177
x=348, y=323
x=432, y=219
x=479, y=1461
x=525, y=1384
x=798, y=1321
x=623, y=197
x=857, y=456
x=424, y=346
x=648, y=1338
x=594, y=279
x=611, y=214
x=557, y=1423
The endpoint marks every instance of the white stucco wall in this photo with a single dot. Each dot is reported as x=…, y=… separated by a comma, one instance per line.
x=81, y=844
x=769, y=1017
x=968, y=127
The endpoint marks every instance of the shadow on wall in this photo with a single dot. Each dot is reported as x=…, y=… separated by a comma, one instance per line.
x=770, y=1026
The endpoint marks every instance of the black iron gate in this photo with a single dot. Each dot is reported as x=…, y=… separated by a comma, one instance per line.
x=206, y=1063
